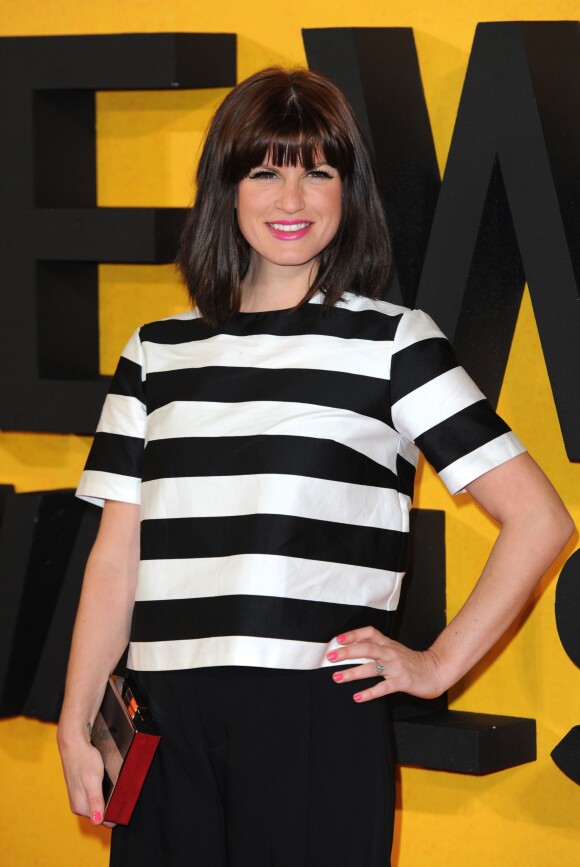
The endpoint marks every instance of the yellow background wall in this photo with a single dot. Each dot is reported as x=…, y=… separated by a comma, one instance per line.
x=147, y=142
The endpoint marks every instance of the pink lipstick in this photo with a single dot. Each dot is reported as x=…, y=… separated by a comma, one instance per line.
x=289, y=230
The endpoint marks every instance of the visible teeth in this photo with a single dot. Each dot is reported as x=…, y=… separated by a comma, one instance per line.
x=292, y=227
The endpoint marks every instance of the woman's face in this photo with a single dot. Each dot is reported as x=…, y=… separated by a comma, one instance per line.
x=288, y=214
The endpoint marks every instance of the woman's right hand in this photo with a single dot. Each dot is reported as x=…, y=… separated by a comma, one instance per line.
x=83, y=772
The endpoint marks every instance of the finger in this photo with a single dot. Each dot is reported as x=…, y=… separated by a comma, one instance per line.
x=357, y=672
x=96, y=809
x=384, y=687
x=365, y=633
x=359, y=650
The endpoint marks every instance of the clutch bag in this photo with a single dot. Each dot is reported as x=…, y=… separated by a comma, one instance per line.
x=126, y=737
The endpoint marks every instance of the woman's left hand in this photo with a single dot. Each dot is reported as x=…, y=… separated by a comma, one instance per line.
x=412, y=671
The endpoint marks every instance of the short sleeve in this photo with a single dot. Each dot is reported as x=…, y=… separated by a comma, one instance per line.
x=114, y=466
x=437, y=406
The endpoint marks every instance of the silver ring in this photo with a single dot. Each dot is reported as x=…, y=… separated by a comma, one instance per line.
x=379, y=667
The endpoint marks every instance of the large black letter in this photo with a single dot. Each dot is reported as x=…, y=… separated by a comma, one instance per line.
x=53, y=234
x=510, y=199
x=514, y=151
x=377, y=68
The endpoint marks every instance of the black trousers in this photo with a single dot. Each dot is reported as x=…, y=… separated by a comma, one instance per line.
x=262, y=768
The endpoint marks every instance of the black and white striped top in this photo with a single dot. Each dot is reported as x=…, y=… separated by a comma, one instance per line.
x=274, y=462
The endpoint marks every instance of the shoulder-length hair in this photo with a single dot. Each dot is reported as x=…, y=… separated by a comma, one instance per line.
x=291, y=117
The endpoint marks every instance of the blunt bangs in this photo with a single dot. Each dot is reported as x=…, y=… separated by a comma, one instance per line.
x=289, y=148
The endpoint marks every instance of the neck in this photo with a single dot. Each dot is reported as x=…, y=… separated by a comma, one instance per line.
x=275, y=288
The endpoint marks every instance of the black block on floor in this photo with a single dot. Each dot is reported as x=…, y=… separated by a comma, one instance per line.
x=469, y=743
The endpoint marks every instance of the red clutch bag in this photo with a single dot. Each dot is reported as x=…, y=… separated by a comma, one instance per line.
x=125, y=735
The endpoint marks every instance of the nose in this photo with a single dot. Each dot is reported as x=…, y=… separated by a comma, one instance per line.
x=290, y=198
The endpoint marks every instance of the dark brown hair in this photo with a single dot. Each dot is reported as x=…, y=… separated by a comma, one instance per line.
x=293, y=116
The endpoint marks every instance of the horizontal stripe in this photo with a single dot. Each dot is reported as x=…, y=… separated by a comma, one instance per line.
x=359, y=304
x=274, y=494
x=114, y=453
x=420, y=363
x=457, y=437
x=406, y=472
x=127, y=379
x=363, y=395
x=266, y=616
x=297, y=352
x=414, y=326
x=123, y=415
x=96, y=487
x=231, y=650
x=133, y=349
x=488, y=456
x=374, y=320
x=231, y=455
x=282, y=535
x=365, y=324
x=373, y=438
x=436, y=401
x=266, y=575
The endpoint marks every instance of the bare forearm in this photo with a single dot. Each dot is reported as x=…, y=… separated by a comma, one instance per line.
x=102, y=625
x=100, y=636
x=524, y=550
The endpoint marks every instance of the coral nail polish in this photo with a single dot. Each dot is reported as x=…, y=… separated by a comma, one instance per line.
x=338, y=675
x=96, y=818
x=357, y=696
x=332, y=655
x=341, y=637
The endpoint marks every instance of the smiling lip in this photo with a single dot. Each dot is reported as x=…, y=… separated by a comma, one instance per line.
x=289, y=230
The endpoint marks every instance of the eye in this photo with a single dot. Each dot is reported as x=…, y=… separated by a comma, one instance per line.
x=320, y=173
x=261, y=174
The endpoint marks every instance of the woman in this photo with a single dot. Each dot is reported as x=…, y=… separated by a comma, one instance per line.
x=253, y=551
